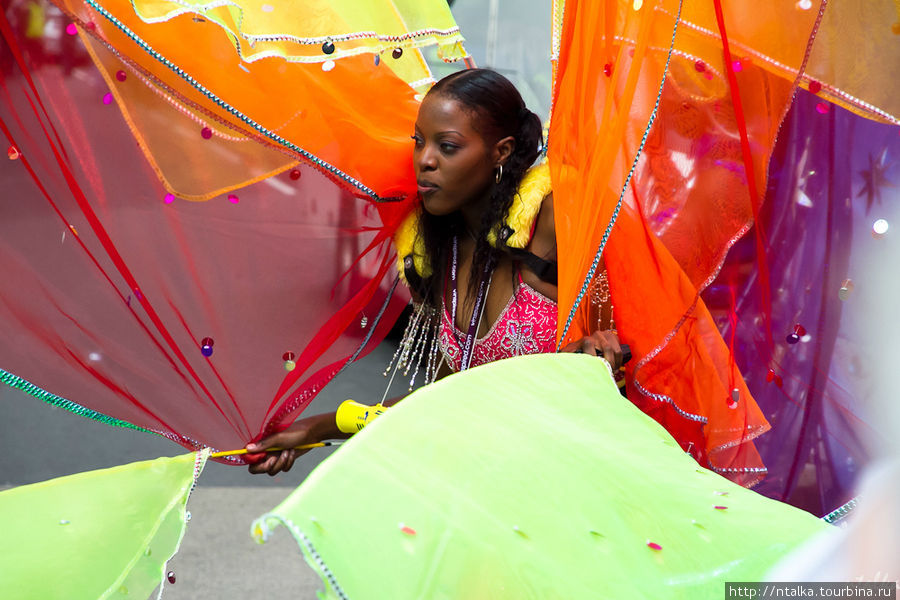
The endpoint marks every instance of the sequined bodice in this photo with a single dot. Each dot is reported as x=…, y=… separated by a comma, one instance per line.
x=526, y=326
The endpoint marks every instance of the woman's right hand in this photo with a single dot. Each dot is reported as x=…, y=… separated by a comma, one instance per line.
x=309, y=430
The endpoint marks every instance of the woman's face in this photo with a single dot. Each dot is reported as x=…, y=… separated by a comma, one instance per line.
x=454, y=164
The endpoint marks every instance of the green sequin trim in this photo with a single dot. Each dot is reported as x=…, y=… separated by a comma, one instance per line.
x=29, y=388
x=841, y=512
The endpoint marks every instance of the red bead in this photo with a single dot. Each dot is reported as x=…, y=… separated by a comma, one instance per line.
x=408, y=530
x=654, y=546
x=295, y=174
x=13, y=153
x=206, y=133
x=90, y=26
x=121, y=75
x=397, y=52
x=720, y=507
x=799, y=329
x=206, y=342
x=607, y=69
x=287, y=356
x=778, y=381
x=700, y=66
x=815, y=87
x=770, y=376
x=171, y=576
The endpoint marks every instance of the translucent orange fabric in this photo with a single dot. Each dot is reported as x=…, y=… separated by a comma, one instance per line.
x=287, y=106
x=689, y=198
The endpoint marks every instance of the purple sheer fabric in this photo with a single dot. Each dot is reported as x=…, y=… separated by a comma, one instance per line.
x=830, y=180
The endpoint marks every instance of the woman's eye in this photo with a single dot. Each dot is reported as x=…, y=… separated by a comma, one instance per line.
x=449, y=148
x=418, y=140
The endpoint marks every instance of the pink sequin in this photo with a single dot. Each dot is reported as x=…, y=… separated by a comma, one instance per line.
x=822, y=108
x=107, y=98
x=71, y=29
x=526, y=326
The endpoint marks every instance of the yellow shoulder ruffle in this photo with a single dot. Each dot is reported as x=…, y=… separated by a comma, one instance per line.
x=526, y=205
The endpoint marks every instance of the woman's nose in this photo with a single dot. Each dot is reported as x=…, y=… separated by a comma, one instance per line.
x=426, y=159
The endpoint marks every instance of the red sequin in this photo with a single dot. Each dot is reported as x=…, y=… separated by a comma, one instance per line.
x=815, y=87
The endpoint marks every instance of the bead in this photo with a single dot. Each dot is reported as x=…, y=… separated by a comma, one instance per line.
x=637, y=4
x=328, y=65
x=653, y=546
x=733, y=400
x=822, y=108
x=363, y=322
x=720, y=507
x=64, y=521
x=607, y=69
x=700, y=66
x=377, y=59
x=880, y=227
x=295, y=174
x=407, y=529
x=737, y=66
x=287, y=356
x=804, y=4
x=289, y=365
x=169, y=198
x=770, y=376
x=846, y=290
x=233, y=198
x=121, y=75
x=90, y=26
x=397, y=53
x=815, y=87
x=71, y=29
x=107, y=98
x=794, y=336
x=13, y=153
x=328, y=47
x=171, y=576
x=206, y=347
x=206, y=133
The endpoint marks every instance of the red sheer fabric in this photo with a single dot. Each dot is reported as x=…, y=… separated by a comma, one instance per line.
x=112, y=284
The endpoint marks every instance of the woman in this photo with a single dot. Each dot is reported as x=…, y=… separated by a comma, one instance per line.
x=474, y=141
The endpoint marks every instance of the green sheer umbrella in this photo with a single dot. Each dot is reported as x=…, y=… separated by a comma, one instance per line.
x=529, y=478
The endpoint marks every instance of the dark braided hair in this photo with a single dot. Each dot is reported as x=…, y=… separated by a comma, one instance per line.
x=500, y=112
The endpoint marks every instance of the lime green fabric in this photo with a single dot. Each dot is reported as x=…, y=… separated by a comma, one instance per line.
x=99, y=534
x=528, y=478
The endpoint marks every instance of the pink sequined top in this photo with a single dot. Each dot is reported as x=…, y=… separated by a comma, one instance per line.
x=526, y=326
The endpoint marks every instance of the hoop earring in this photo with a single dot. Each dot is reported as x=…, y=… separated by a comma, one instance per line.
x=499, y=175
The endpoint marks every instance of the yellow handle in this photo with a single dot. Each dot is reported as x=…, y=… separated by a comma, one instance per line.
x=353, y=416
x=244, y=450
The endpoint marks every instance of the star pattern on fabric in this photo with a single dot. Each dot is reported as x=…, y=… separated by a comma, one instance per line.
x=875, y=179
